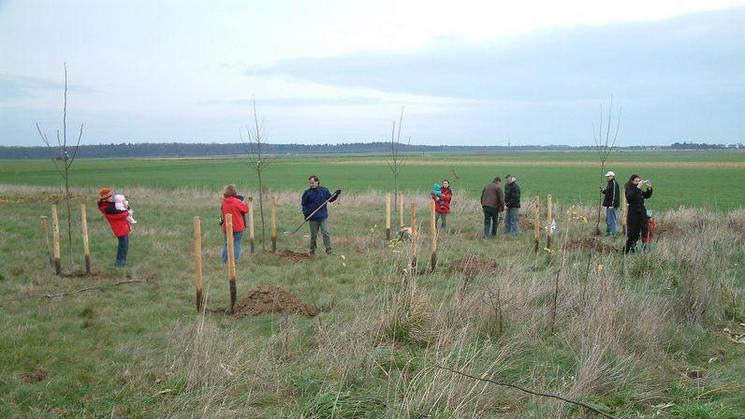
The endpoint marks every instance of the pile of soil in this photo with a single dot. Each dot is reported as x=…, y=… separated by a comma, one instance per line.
x=264, y=300
x=472, y=266
x=294, y=256
x=39, y=374
x=589, y=244
x=664, y=229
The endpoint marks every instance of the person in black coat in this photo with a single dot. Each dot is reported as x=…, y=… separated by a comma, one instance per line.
x=636, y=217
x=611, y=202
x=512, y=206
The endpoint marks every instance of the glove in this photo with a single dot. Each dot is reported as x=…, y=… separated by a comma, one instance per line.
x=337, y=192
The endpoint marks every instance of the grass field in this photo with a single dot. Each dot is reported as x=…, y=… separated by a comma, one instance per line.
x=711, y=180
x=652, y=334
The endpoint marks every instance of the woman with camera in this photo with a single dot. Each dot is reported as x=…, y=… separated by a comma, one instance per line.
x=636, y=214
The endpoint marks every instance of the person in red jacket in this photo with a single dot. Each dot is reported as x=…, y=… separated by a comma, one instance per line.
x=118, y=221
x=442, y=203
x=231, y=204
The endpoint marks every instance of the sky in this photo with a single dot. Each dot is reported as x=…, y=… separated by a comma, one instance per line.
x=466, y=73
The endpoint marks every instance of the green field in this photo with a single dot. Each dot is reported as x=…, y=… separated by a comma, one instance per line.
x=660, y=333
x=710, y=180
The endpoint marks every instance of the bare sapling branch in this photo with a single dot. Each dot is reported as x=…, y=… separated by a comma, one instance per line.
x=605, y=141
x=257, y=135
x=61, y=152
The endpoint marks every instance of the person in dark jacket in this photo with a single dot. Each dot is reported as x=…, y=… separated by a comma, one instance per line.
x=234, y=206
x=611, y=202
x=442, y=203
x=636, y=218
x=512, y=206
x=118, y=221
x=314, y=199
x=492, y=203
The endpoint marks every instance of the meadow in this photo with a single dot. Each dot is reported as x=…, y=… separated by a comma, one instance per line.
x=658, y=333
x=713, y=180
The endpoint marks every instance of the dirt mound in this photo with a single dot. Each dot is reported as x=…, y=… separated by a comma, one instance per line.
x=472, y=266
x=265, y=300
x=669, y=228
x=294, y=256
x=526, y=224
x=589, y=244
x=39, y=374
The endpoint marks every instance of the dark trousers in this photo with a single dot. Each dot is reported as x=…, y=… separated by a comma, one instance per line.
x=635, y=229
x=491, y=220
x=121, y=251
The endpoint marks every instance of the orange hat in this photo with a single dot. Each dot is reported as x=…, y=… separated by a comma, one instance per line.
x=104, y=193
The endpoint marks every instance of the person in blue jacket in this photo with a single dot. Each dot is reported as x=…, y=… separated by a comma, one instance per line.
x=314, y=200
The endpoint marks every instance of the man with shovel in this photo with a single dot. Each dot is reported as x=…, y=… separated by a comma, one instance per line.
x=314, y=202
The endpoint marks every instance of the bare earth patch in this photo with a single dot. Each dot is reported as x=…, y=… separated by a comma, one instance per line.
x=264, y=300
x=589, y=244
x=472, y=266
x=665, y=229
x=294, y=256
x=35, y=376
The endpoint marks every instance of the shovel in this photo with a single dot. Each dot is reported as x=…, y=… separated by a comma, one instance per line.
x=335, y=194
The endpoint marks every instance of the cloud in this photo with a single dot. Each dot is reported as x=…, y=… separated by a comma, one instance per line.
x=23, y=86
x=689, y=56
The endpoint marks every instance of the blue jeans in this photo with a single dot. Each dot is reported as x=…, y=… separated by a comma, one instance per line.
x=121, y=251
x=237, y=238
x=610, y=221
x=491, y=220
x=512, y=221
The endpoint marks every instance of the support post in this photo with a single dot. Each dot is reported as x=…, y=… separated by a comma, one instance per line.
x=537, y=227
x=413, y=243
x=45, y=239
x=55, y=238
x=400, y=210
x=251, y=222
x=433, y=228
x=549, y=220
x=198, y=262
x=86, y=246
x=231, y=260
x=413, y=217
x=274, y=223
x=388, y=216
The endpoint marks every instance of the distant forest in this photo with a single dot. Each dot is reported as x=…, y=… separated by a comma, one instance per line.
x=237, y=149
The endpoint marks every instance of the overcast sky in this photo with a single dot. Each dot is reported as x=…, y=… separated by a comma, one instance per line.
x=467, y=72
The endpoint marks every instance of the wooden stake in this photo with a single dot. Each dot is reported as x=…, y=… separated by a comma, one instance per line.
x=388, y=216
x=251, y=222
x=198, y=262
x=45, y=228
x=413, y=244
x=55, y=238
x=549, y=220
x=400, y=210
x=413, y=217
x=537, y=228
x=274, y=223
x=86, y=247
x=433, y=228
x=231, y=260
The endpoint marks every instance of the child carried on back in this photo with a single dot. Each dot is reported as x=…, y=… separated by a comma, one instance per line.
x=121, y=204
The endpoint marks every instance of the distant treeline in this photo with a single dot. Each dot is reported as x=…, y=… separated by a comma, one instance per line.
x=237, y=149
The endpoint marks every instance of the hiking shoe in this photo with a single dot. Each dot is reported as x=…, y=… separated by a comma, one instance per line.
x=329, y=251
